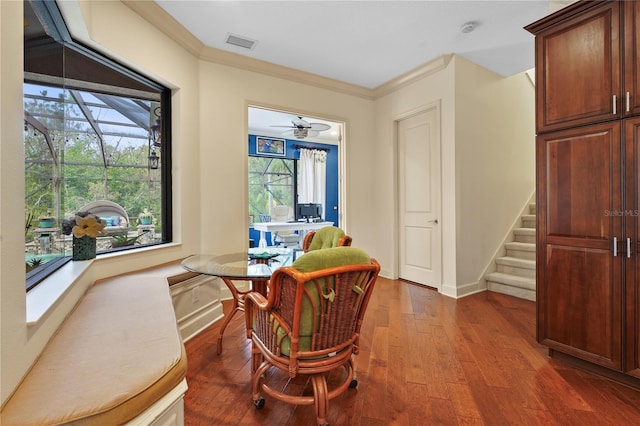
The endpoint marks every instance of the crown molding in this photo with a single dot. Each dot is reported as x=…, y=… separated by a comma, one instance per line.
x=154, y=14
x=256, y=65
x=418, y=73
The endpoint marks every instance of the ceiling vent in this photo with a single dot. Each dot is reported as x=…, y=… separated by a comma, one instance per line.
x=240, y=41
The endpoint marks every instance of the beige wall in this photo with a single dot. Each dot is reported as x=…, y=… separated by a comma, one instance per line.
x=495, y=164
x=12, y=304
x=225, y=94
x=209, y=161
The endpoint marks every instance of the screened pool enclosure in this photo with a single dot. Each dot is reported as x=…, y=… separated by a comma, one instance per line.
x=85, y=148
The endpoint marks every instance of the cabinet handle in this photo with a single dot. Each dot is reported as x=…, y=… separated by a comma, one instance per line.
x=614, y=104
x=629, y=248
x=628, y=102
x=615, y=247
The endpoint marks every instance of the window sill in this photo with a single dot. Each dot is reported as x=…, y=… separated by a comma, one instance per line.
x=42, y=298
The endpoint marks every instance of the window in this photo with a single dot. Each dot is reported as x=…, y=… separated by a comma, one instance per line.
x=96, y=138
x=271, y=182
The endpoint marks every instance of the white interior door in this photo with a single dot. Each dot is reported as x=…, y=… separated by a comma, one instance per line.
x=420, y=235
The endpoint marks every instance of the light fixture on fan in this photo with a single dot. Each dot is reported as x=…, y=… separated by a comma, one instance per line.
x=300, y=133
x=301, y=128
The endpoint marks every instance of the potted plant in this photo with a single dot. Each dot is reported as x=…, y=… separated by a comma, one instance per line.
x=145, y=218
x=123, y=240
x=33, y=264
x=85, y=227
x=46, y=222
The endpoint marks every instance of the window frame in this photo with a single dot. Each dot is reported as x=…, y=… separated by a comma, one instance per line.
x=51, y=19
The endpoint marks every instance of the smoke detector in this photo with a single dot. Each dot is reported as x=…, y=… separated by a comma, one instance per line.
x=467, y=27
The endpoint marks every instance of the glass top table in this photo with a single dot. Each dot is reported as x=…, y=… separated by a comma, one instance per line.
x=255, y=266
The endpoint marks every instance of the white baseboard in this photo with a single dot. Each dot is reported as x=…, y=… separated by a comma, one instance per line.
x=197, y=304
x=167, y=411
x=463, y=290
x=191, y=325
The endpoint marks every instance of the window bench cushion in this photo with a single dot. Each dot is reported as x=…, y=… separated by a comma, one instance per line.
x=173, y=272
x=116, y=354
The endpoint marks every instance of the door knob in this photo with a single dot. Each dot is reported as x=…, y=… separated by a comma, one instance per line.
x=434, y=221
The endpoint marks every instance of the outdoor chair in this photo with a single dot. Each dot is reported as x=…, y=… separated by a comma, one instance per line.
x=327, y=237
x=310, y=324
x=114, y=214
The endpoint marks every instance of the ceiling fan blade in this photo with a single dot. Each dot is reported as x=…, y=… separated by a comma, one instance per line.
x=320, y=127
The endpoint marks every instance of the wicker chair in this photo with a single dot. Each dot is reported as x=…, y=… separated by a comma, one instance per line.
x=327, y=237
x=310, y=324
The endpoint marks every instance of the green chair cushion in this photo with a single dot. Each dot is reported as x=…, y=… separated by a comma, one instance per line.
x=315, y=261
x=326, y=237
x=331, y=257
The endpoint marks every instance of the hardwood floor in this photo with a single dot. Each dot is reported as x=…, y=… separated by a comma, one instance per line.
x=426, y=359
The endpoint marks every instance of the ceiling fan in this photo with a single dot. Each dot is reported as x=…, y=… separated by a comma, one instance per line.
x=301, y=128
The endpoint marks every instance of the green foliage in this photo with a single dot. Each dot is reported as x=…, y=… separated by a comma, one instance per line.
x=33, y=264
x=59, y=183
x=123, y=240
x=270, y=183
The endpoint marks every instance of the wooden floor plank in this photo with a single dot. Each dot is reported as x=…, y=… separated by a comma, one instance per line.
x=425, y=359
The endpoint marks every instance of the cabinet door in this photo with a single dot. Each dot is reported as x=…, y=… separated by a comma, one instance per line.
x=632, y=270
x=578, y=69
x=579, y=270
x=631, y=92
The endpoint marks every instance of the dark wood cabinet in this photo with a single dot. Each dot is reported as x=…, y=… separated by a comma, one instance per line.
x=578, y=67
x=631, y=89
x=579, y=252
x=588, y=184
x=632, y=260
x=587, y=67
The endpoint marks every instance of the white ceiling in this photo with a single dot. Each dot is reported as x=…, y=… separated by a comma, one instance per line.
x=261, y=122
x=366, y=43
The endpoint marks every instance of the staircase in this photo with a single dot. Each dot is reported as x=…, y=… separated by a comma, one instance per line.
x=516, y=272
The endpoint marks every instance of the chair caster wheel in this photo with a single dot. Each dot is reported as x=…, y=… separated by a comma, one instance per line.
x=259, y=403
x=353, y=384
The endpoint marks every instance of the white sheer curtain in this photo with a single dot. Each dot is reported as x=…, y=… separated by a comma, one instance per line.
x=312, y=177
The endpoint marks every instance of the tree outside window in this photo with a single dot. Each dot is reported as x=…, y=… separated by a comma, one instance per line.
x=271, y=182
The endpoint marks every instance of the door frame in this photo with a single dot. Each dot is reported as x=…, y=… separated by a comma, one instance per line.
x=437, y=105
x=342, y=176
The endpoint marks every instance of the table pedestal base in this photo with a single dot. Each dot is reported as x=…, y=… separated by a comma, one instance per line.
x=238, y=302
